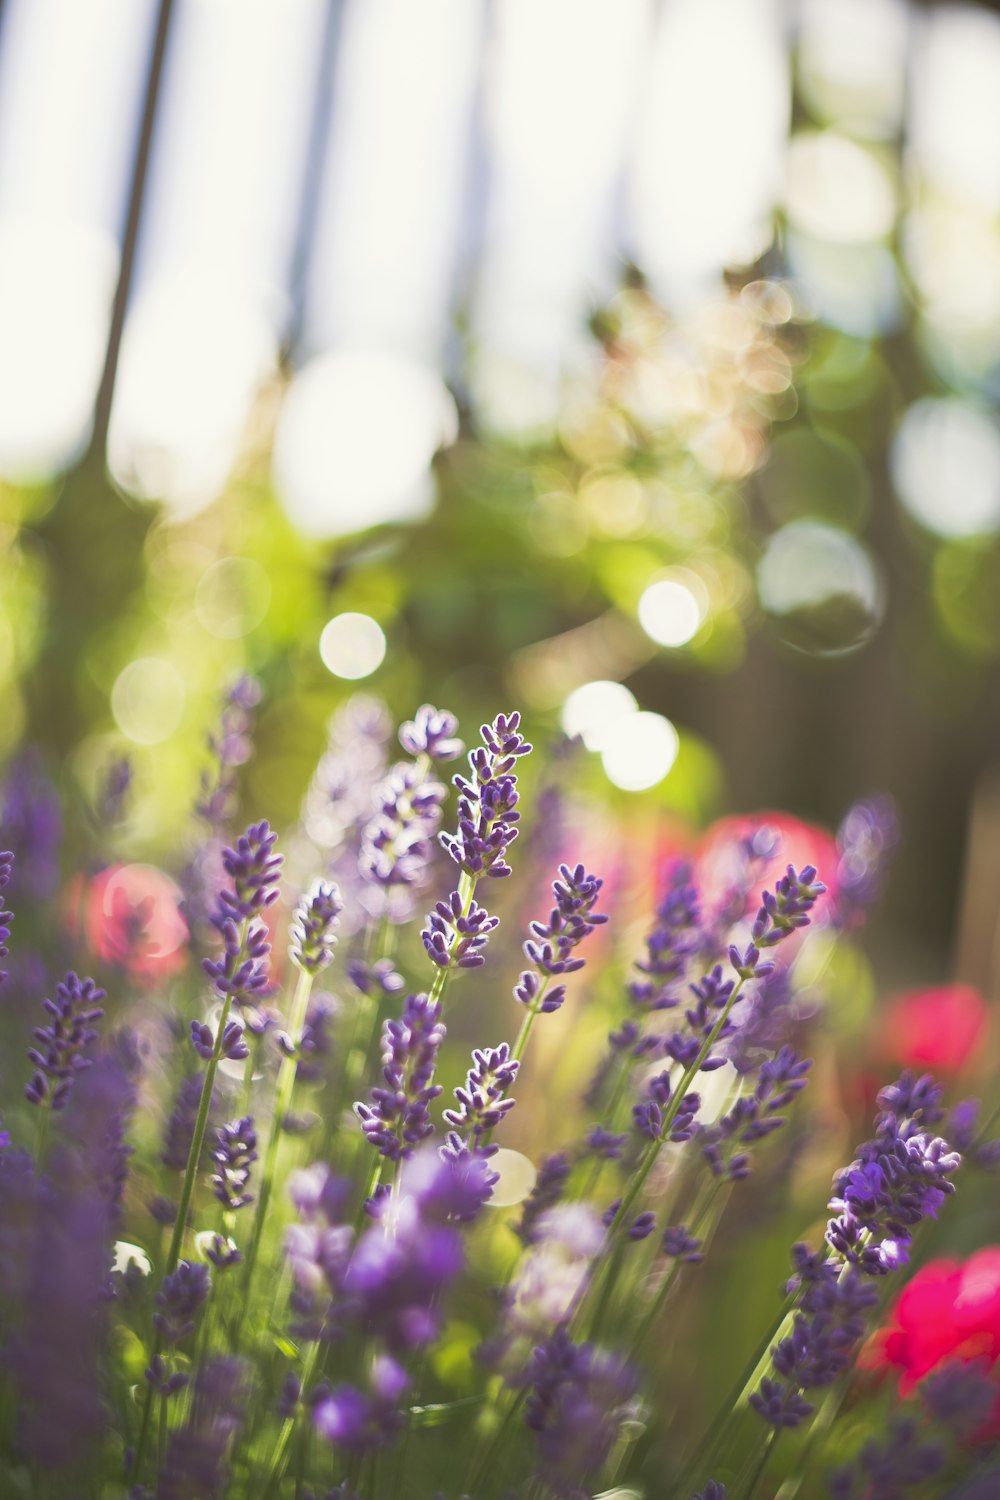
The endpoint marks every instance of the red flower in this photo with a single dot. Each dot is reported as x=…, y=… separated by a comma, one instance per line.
x=132, y=919
x=950, y=1311
x=719, y=862
x=938, y=1028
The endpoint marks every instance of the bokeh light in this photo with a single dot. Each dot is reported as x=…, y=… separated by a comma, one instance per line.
x=352, y=645
x=639, y=751
x=671, y=610
x=821, y=585
x=147, y=700
x=517, y=1176
x=355, y=439
x=946, y=467
x=594, y=710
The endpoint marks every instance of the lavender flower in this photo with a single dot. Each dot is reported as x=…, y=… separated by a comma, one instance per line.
x=669, y=946
x=397, y=1117
x=550, y=1184
x=6, y=917
x=230, y=747
x=885, y=1470
x=316, y=1043
x=234, y=1154
x=550, y=948
x=232, y=1046
x=431, y=732
x=31, y=825
x=712, y=1491
x=456, y=937
x=678, y=1244
x=313, y=931
x=578, y=1398
x=179, y=1300
x=359, y=1421
x=487, y=804
x=867, y=834
x=196, y=1461
x=898, y=1178
x=59, y=1051
x=960, y=1396
x=482, y=1102
x=783, y=911
x=113, y=792
x=754, y=1116
x=253, y=868
x=398, y=842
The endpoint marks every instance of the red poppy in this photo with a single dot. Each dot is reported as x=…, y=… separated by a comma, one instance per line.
x=132, y=919
x=939, y=1028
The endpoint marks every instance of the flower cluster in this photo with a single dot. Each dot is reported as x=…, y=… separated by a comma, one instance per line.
x=407, y=1307
x=487, y=805
x=552, y=944
x=59, y=1053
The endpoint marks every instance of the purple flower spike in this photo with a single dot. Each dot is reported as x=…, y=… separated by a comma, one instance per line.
x=6, y=917
x=233, y=1045
x=670, y=944
x=487, y=804
x=431, y=732
x=398, y=842
x=551, y=947
x=230, y=748
x=58, y=1053
x=254, y=868
x=865, y=840
x=235, y=1153
x=712, y=1491
x=454, y=938
x=313, y=931
x=397, y=1115
x=179, y=1300
x=482, y=1102
x=678, y=1244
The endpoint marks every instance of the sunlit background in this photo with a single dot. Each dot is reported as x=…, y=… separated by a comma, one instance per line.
x=632, y=362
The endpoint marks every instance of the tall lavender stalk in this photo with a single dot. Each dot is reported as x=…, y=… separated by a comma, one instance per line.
x=313, y=937
x=239, y=976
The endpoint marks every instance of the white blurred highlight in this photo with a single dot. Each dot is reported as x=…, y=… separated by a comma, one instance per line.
x=517, y=1178
x=638, y=752
x=593, y=710
x=954, y=125
x=390, y=210
x=707, y=165
x=560, y=100
x=671, y=611
x=352, y=645
x=946, y=467
x=70, y=81
x=355, y=439
x=216, y=244
x=147, y=700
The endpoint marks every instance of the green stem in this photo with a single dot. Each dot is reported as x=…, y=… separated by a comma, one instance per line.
x=758, y=1473
x=702, y=1459
x=279, y=1456
x=183, y=1207
x=663, y=1290
x=491, y=1449
x=655, y=1146
x=282, y=1104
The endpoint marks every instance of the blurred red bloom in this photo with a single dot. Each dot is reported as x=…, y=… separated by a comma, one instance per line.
x=950, y=1311
x=132, y=918
x=938, y=1028
x=719, y=861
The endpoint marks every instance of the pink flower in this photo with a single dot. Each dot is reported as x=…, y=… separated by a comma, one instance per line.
x=720, y=861
x=949, y=1312
x=132, y=919
x=937, y=1028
